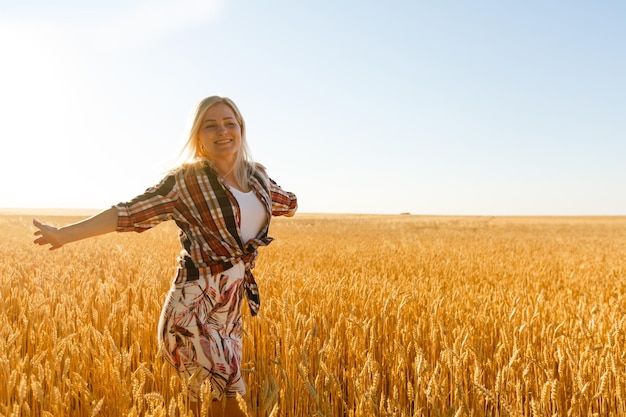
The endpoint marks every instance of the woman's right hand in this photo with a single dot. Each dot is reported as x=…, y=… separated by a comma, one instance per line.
x=47, y=235
x=103, y=222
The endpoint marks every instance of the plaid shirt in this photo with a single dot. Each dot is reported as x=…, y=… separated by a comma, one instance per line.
x=208, y=216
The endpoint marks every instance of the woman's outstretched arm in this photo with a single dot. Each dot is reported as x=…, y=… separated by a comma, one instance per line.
x=101, y=223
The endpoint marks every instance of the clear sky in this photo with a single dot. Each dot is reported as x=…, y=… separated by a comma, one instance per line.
x=428, y=107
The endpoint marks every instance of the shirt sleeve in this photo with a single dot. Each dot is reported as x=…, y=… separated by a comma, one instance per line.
x=145, y=211
x=283, y=202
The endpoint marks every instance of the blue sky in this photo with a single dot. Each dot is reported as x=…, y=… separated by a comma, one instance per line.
x=451, y=108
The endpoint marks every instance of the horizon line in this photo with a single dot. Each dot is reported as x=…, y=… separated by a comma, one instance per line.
x=68, y=211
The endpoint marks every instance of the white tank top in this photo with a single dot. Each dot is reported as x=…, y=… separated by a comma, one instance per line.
x=253, y=216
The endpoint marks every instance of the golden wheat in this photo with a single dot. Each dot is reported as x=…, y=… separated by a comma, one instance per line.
x=361, y=316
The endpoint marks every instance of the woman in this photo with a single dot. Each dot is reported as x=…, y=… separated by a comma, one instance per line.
x=222, y=202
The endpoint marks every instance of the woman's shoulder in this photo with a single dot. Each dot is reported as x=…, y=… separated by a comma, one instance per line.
x=258, y=172
x=192, y=167
x=185, y=172
x=259, y=168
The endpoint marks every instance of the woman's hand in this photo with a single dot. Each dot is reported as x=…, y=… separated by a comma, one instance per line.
x=47, y=235
x=103, y=222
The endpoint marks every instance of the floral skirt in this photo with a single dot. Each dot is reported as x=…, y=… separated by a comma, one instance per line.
x=200, y=331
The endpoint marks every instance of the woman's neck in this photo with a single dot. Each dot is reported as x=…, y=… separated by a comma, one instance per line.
x=223, y=168
x=226, y=170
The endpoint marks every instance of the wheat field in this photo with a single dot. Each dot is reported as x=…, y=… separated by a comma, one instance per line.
x=361, y=316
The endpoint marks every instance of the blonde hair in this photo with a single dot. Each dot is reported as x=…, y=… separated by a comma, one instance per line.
x=192, y=150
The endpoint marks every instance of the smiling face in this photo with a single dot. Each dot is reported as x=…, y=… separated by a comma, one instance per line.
x=220, y=133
